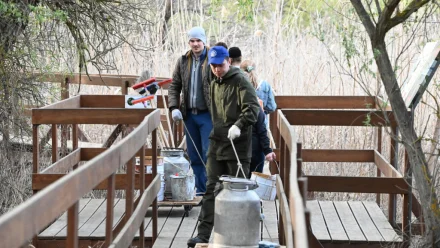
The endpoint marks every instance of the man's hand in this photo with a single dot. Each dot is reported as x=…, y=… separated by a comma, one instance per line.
x=177, y=115
x=271, y=156
x=234, y=132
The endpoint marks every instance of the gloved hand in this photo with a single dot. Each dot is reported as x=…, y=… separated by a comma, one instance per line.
x=177, y=115
x=234, y=132
x=271, y=156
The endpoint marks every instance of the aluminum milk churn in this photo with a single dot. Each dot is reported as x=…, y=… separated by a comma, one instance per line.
x=174, y=163
x=237, y=214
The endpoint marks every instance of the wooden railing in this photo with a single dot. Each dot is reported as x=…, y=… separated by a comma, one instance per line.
x=64, y=192
x=343, y=111
x=108, y=80
x=291, y=188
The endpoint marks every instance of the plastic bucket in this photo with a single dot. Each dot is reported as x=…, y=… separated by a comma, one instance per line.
x=182, y=187
x=267, y=188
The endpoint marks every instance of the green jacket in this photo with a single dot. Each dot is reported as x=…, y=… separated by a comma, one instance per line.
x=181, y=79
x=233, y=102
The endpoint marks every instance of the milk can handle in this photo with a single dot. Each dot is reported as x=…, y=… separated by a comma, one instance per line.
x=240, y=190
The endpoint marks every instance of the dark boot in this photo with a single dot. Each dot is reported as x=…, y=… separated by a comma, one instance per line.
x=193, y=241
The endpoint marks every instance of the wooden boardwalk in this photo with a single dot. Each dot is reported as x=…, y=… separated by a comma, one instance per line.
x=351, y=222
x=174, y=228
x=332, y=223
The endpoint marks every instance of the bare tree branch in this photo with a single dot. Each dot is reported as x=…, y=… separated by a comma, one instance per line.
x=407, y=12
x=385, y=16
x=379, y=10
x=365, y=18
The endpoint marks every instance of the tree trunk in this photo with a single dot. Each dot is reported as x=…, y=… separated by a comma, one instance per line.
x=434, y=149
x=412, y=143
x=167, y=17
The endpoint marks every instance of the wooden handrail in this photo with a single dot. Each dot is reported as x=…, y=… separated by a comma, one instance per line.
x=26, y=220
x=73, y=102
x=91, y=79
x=296, y=203
x=131, y=227
x=285, y=213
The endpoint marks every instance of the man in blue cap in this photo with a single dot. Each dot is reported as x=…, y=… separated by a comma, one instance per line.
x=192, y=76
x=234, y=109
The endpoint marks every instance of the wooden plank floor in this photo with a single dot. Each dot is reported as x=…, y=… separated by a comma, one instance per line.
x=351, y=222
x=174, y=228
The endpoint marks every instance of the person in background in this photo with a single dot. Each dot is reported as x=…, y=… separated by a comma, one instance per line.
x=221, y=43
x=192, y=76
x=263, y=88
x=235, y=56
x=234, y=109
x=260, y=145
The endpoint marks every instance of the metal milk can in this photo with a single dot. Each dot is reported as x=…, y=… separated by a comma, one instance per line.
x=174, y=163
x=237, y=214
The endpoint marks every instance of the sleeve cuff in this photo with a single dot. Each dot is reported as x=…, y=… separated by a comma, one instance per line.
x=239, y=124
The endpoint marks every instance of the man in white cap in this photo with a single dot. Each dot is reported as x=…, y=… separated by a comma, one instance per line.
x=192, y=76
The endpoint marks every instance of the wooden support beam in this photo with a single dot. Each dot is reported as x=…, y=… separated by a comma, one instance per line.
x=65, y=164
x=357, y=184
x=89, y=116
x=325, y=102
x=386, y=168
x=362, y=118
x=40, y=181
x=333, y=155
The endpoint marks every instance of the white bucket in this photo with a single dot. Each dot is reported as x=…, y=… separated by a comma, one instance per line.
x=161, y=193
x=267, y=188
x=182, y=187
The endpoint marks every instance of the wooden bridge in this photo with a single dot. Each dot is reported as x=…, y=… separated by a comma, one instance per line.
x=58, y=215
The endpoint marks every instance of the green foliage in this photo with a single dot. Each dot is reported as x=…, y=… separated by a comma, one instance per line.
x=240, y=10
x=40, y=13
x=367, y=121
x=10, y=10
x=245, y=8
x=43, y=14
x=347, y=33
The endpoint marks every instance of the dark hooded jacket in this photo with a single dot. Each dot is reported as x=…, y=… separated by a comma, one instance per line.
x=181, y=81
x=233, y=102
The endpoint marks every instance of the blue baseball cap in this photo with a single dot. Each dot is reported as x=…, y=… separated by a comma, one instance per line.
x=217, y=55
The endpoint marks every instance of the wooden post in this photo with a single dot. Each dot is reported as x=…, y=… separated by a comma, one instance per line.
x=54, y=143
x=75, y=140
x=287, y=167
x=299, y=172
x=142, y=186
x=283, y=151
x=379, y=150
x=302, y=185
x=281, y=237
x=72, y=226
x=35, y=149
x=154, y=171
x=124, y=87
x=129, y=192
x=110, y=210
x=35, y=164
x=64, y=129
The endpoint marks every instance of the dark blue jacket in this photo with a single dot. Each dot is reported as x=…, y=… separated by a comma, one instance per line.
x=260, y=141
